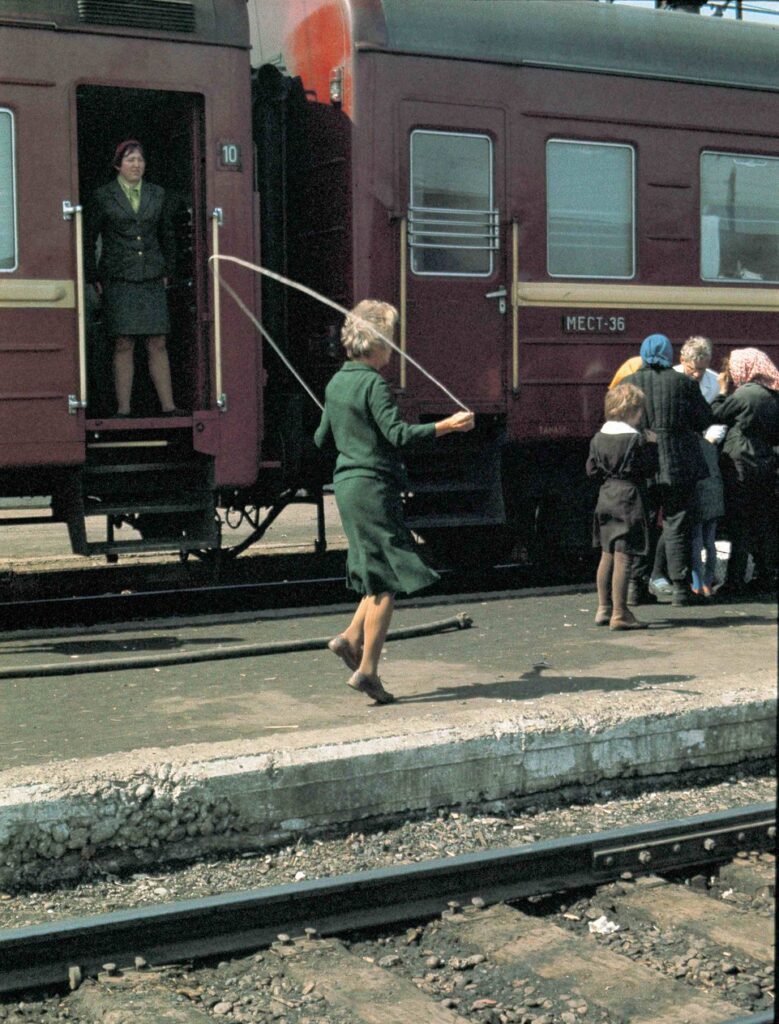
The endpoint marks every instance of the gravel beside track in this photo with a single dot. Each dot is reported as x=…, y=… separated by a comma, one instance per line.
x=450, y=833
x=289, y=983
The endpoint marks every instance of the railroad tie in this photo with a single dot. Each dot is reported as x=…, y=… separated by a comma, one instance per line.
x=599, y=977
x=369, y=993
x=133, y=999
x=673, y=906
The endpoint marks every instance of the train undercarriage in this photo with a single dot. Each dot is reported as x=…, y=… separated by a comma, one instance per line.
x=478, y=500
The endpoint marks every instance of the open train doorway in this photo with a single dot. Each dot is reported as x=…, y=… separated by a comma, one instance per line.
x=169, y=125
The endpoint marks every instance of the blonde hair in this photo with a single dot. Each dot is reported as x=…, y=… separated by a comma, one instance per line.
x=623, y=400
x=357, y=337
x=695, y=349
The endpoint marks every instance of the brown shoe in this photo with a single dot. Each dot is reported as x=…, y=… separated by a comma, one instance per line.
x=340, y=646
x=603, y=615
x=624, y=624
x=371, y=687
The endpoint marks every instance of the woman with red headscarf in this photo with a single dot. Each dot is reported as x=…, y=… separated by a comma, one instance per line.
x=137, y=257
x=749, y=406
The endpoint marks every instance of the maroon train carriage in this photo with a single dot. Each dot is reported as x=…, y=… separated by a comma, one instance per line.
x=537, y=186
x=78, y=76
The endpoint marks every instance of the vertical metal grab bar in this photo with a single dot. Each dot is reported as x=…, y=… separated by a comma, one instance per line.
x=403, y=298
x=76, y=402
x=514, y=306
x=221, y=398
x=82, y=321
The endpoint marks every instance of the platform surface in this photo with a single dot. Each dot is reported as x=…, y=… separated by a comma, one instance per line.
x=524, y=658
x=532, y=697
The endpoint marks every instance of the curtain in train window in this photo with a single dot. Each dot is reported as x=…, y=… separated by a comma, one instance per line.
x=452, y=226
x=590, y=209
x=7, y=193
x=739, y=218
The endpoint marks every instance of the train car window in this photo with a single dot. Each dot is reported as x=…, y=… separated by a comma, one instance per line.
x=452, y=226
x=7, y=193
x=739, y=217
x=590, y=209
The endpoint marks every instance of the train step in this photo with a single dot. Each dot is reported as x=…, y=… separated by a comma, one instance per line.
x=448, y=486
x=459, y=484
x=136, y=467
x=124, y=547
x=126, y=508
x=453, y=519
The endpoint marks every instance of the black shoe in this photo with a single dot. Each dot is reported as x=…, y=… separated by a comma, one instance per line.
x=638, y=593
x=682, y=595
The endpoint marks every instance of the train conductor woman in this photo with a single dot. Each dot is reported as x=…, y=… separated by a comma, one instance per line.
x=137, y=257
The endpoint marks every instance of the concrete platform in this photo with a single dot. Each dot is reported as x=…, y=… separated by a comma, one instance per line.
x=129, y=767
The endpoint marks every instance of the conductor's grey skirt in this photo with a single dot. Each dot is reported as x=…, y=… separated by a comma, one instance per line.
x=135, y=307
x=382, y=557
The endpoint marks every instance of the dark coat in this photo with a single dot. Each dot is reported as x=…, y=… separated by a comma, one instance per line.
x=751, y=414
x=677, y=412
x=135, y=246
x=621, y=463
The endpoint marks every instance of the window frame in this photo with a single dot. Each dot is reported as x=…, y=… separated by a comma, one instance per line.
x=726, y=280
x=491, y=212
x=14, y=195
x=633, y=207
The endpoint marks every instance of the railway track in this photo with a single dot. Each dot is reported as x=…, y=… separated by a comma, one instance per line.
x=306, y=585
x=611, y=927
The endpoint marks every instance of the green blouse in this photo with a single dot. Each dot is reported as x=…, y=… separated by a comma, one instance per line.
x=132, y=192
x=365, y=422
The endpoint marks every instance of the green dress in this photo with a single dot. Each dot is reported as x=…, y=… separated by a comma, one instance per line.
x=365, y=423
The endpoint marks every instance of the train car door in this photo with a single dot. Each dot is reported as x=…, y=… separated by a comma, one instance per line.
x=170, y=127
x=456, y=290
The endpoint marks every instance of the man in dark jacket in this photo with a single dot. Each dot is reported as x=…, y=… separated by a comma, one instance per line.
x=677, y=411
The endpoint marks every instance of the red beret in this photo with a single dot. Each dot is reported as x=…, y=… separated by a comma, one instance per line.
x=122, y=148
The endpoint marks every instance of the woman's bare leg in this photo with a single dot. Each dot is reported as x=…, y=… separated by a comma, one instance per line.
x=159, y=370
x=123, y=372
x=378, y=615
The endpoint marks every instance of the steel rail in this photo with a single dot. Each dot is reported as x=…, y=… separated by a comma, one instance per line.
x=291, y=592
x=220, y=926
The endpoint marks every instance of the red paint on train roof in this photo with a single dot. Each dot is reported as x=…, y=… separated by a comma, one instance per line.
x=319, y=43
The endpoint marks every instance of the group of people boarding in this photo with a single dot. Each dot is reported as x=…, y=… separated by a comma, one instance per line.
x=681, y=449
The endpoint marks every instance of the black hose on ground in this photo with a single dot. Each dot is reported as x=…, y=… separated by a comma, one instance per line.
x=459, y=621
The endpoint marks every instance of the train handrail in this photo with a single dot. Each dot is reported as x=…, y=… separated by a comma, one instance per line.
x=76, y=213
x=403, y=312
x=515, y=306
x=217, y=219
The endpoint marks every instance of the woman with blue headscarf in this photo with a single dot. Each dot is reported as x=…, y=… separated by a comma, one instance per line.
x=677, y=412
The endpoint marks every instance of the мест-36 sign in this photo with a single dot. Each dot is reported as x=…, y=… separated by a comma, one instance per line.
x=593, y=323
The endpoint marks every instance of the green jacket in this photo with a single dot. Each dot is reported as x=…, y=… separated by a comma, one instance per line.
x=366, y=425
